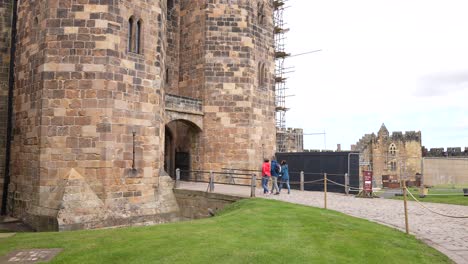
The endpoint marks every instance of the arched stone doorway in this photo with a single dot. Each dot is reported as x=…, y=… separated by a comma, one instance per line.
x=182, y=147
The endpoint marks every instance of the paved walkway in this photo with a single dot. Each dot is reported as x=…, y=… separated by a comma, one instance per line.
x=448, y=235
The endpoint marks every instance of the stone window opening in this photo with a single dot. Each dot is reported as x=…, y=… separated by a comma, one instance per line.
x=261, y=75
x=138, y=36
x=135, y=35
x=393, y=166
x=260, y=13
x=392, y=149
x=167, y=76
x=131, y=22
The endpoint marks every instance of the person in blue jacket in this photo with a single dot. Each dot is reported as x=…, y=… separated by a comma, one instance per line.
x=275, y=172
x=284, y=176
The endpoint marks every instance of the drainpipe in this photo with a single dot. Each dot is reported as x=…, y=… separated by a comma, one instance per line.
x=11, y=84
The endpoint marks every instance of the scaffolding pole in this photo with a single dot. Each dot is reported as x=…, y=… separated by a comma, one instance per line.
x=280, y=78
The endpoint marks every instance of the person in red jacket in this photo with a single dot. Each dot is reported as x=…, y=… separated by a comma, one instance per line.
x=266, y=175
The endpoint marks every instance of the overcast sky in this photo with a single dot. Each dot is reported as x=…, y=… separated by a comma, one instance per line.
x=399, y=62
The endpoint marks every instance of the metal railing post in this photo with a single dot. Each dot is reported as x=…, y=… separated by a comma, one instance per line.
x=302, y=181
x=177, y=178
x=211, y=181
x=253, y=184
x=346, y=179
x=325, y=190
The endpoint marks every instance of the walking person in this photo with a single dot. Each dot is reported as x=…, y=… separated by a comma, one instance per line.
x=266, y=175
x=284, y=176
x=275, y=171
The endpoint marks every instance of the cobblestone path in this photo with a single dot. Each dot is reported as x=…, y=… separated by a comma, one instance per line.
x=448, y=235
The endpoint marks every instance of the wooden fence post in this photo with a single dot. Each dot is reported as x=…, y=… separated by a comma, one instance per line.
x=406, y=207
x=325, y=190
x=253, y=184
x=346, y=179
x=177, y=178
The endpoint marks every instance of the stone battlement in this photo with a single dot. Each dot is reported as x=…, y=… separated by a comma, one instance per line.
x=406, y=136
x=450, y=152
x=325, y=150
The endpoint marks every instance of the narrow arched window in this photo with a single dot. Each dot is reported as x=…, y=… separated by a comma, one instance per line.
x=393, y=166
x=167, y=76
x=260, y=13
x=138, y=36
x=392, y=149
x=261, y=75
x=130, y=34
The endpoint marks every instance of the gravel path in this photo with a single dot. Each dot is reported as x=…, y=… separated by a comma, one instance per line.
x=448, y=235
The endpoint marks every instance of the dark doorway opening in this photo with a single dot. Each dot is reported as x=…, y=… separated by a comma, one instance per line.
x=182, y=142
x=182, y=162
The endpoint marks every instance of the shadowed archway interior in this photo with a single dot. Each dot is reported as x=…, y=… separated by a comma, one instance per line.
x=182, y=143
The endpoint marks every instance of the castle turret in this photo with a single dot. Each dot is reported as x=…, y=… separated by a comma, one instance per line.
x=87, y=111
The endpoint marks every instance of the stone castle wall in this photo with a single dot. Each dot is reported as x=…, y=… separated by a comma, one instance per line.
x=5, y=42
x=191, y=76
x=240, y=114
x=444, y=171
x=80, y=95
x=450, y=152
x=90, y=120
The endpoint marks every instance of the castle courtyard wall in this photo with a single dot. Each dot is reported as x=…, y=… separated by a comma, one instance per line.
x=444, y=171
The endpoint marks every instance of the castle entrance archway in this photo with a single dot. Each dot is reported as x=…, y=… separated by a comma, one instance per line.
x=182, y=144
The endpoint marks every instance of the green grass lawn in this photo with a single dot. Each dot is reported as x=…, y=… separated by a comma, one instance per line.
x=249, y=231
x=458, y=199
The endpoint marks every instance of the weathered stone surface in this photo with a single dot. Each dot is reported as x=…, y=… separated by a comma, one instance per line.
x=397, y=156
x=89, y=97
x=290, y=140
x=199, y=204
x=445, y=171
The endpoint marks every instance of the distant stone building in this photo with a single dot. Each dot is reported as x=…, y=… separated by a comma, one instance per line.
x=391, y=157
x=109, y=97
x=290, y=140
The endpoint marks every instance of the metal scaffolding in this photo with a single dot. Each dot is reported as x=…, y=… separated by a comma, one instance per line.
x=280, y=78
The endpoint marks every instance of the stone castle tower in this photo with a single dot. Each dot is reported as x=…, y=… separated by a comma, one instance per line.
x=110, y=97
x=391, y=157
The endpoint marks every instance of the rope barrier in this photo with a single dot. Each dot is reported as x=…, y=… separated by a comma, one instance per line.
x=319, y=180
x=328, y=174
x=441, y=214
x=445, y=194
x=306, y=182
x=339, y=184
